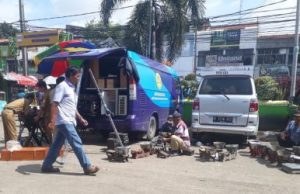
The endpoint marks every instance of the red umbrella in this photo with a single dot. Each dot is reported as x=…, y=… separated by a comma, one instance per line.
x=21, y=79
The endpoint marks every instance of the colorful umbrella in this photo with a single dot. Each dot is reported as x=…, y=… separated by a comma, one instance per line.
x=58, y=67
x=21, y=79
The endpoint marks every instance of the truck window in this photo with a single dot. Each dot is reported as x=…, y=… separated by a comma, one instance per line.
x=226, y=85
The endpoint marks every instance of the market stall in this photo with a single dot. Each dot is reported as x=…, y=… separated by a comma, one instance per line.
x=16, y=83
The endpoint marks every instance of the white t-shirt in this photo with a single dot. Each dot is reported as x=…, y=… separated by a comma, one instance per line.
x=66, y=98
x=183, y=132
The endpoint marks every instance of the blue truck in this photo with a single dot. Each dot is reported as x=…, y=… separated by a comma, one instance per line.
x=140, y=92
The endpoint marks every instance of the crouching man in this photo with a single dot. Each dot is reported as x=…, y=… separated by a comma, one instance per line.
x=180, y=141
x=291, y=136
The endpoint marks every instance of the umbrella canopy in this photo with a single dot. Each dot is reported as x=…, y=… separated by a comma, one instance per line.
x=20, y=79
x=56, y=64
x=58, y=67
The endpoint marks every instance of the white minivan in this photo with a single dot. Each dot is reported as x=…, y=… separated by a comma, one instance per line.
x=226, y=102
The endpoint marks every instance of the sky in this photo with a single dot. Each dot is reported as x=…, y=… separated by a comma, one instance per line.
x=9, y=10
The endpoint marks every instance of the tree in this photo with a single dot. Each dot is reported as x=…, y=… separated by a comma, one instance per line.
x=171, y=19
x=189, y=86
x=7, y=30
x=97, y=31
x=268, y=89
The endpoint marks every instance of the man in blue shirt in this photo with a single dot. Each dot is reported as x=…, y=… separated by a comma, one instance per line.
x=291, y=136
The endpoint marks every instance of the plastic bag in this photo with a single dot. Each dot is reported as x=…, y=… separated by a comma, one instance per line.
x=13, y=145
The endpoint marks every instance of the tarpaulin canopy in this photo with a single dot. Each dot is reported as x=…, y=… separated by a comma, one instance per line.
x=56, y=64
x=58, y=67
x=20, y=79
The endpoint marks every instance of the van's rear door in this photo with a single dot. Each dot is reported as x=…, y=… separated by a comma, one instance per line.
x=224, y=100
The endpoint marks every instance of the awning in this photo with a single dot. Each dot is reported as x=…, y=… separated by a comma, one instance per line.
x=93, y=53
x=57, y=64
x=21, y=79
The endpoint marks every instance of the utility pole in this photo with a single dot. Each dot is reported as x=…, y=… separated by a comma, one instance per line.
x=241, y=5
x=23, y=29
x=295, y=55
x=150, y=30
x=195, y=50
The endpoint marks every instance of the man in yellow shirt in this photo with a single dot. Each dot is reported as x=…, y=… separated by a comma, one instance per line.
x=19, y=106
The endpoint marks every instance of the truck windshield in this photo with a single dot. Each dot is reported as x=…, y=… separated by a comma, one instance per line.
x=226, y=85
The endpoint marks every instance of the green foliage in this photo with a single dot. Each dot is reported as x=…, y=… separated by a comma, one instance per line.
x=268, y=89
x=96, y=31
x=191, y=77
x=7, y=30
x=189, y=86
x=170, y=22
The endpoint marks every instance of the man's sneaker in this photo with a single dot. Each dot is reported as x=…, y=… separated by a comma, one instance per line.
x=50, y=170
x=91, y=170
x=60, y=160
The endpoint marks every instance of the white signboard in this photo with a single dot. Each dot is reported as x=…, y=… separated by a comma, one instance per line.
x=229, y=70
x=215, y=60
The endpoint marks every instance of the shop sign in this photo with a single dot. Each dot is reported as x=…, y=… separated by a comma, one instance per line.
x=41, y=38
x=230, y=70
x=223, y=60
x=225, y=38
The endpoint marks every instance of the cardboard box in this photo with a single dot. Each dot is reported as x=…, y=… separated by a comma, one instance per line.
x=110, y=83
x=101, y=83
x=123, y=79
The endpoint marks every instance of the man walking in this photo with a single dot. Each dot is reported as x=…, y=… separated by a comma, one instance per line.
x=63, y=117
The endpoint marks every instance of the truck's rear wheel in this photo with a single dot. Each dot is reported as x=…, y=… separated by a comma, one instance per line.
x=152, y=128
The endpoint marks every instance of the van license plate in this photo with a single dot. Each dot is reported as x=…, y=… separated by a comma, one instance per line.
x=222, y=119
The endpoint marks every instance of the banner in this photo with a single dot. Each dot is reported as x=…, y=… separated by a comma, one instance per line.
x=41, y=38
x=229, y=70
x=225, y=38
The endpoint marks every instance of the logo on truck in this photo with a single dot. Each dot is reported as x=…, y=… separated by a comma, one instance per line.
x=158, y=81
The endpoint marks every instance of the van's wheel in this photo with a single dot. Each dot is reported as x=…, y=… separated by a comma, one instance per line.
x=152, y=128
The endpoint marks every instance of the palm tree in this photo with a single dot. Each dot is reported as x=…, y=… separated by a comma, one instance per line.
x=171, y=19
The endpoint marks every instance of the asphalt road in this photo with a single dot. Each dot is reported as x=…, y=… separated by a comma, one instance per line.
x=181, y=174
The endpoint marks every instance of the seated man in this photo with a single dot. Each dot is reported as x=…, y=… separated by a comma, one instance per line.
x=19, y=106
x=291, y=136
x=45, y=110
x=180, y=141
x=168, y=126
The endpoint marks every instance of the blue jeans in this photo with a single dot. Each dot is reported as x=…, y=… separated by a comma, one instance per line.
x=66, y=131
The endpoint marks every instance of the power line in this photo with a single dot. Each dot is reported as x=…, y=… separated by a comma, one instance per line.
x=245, y=10
x=97, y=12
x=75, y=15
x=256, y=17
